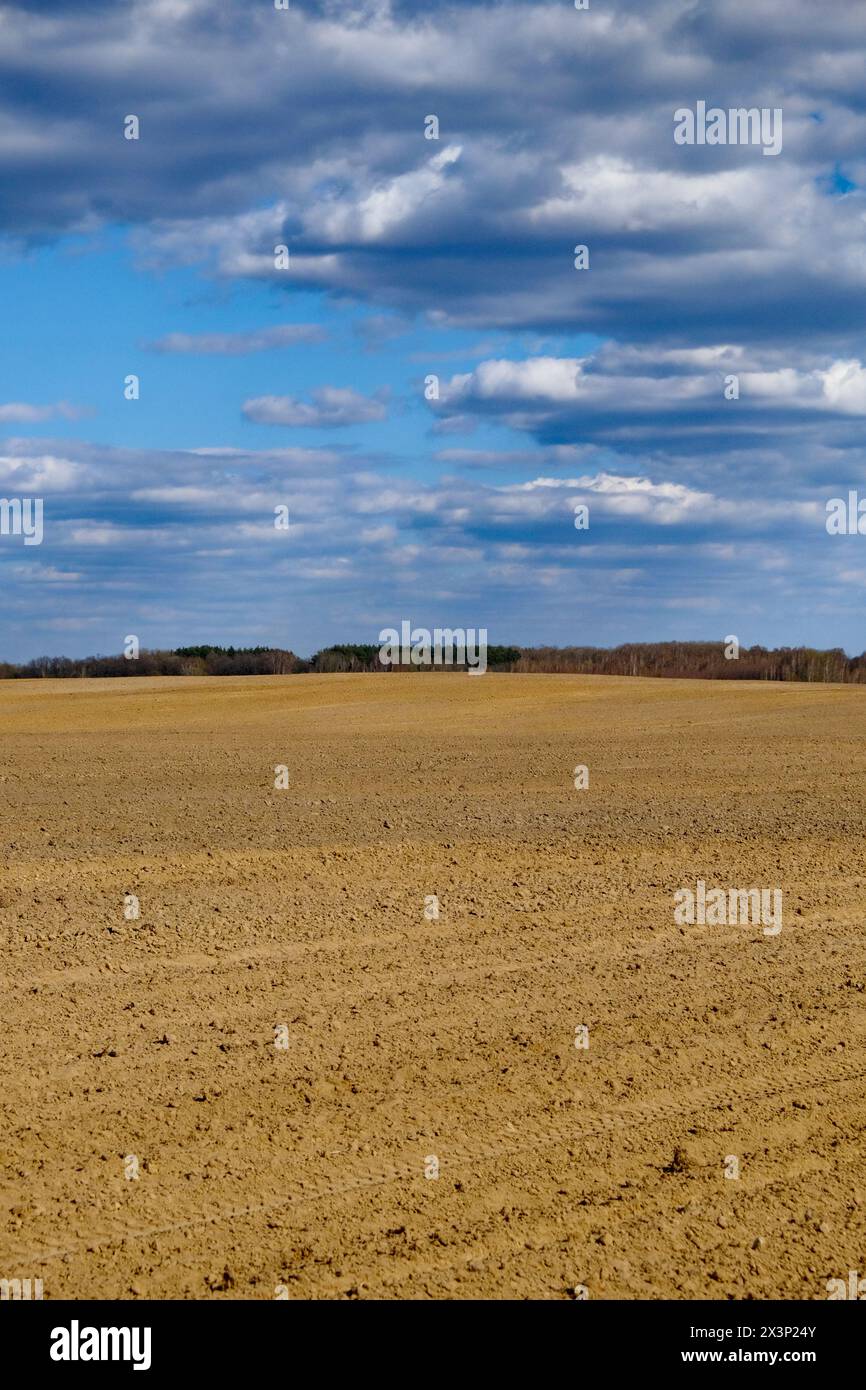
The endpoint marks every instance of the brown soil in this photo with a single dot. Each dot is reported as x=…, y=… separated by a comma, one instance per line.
x=303, y=1168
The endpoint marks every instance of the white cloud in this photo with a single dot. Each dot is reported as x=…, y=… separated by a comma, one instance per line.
x=22, y=413
x=331, y=406
x=240, y=344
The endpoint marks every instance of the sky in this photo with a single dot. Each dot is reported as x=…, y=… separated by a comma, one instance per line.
x=431, y=386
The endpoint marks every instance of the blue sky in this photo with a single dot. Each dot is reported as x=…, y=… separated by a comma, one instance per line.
x=410, y=257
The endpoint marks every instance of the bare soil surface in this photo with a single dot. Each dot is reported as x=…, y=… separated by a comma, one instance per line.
x=297, y=916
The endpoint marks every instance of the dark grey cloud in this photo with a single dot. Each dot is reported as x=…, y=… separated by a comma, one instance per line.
x=555, y=128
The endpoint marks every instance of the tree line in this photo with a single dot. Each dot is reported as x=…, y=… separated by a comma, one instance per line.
x=702, y=660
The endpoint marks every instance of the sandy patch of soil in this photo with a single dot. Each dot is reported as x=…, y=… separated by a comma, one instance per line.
x=302, y=1168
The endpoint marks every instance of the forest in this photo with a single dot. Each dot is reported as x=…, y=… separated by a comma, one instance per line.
x=687, y=660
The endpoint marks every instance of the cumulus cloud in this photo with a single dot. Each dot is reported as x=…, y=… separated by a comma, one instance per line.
x=664, y=504
x=305, y=128
x=478, y=229
x=679, y=399
x=839, y=388
x=194, y=550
